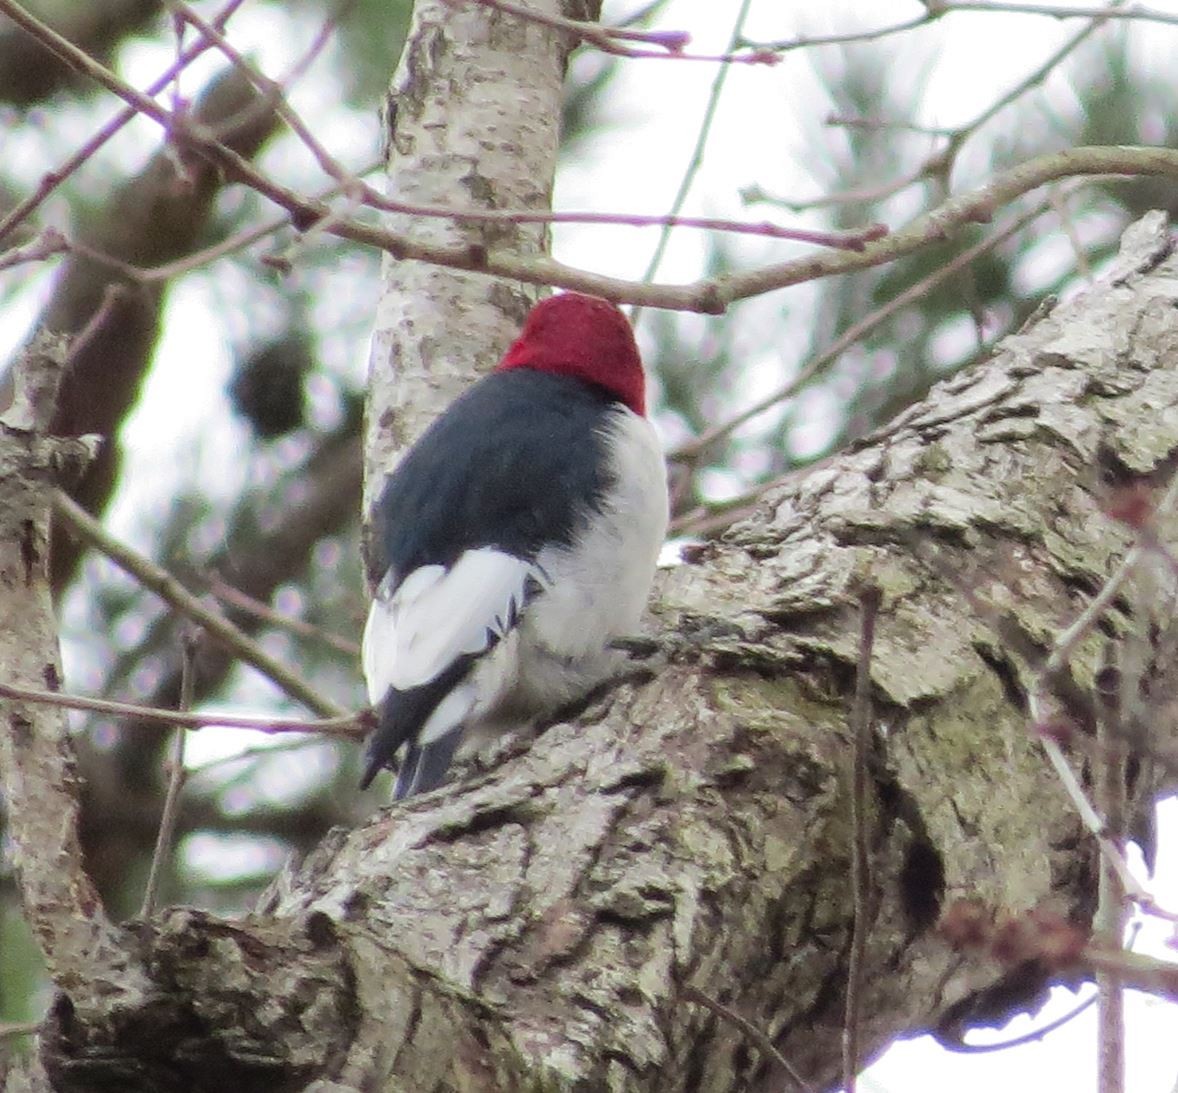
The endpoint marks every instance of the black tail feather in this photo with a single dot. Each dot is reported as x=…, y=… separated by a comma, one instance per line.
x=425, y=767
x=402, y=717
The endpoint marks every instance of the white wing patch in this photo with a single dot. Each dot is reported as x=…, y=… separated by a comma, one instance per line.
x=438, y=615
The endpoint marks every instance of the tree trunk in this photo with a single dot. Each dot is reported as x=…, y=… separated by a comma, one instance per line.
x=473, y=120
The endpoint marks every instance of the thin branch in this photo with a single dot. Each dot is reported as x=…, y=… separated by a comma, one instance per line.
x=940, y=164
x=1143, y=973
x=804, y=41
x=854, y=239
x=237, y=242
x=1110, y=850
x=1148, y=15
x=880, y=124
x=1037, y=76
x=22, y=210
x=246, y=756
x=936, y=9
x=164, y=585
x=273, y=95
x=227, y=594
x=697, y=153
x=608, y=39
x=853, y=334
x=860, y=849
x=1111, y=913
x=351, y=726
x=45, y=245
x=869, y=196
x=176, y=779
x=1059, y=202
x=750, y=1031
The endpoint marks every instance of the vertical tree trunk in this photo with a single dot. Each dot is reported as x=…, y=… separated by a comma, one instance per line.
x=473, y=120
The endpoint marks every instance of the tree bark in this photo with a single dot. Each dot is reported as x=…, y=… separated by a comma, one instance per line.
x=538, y=927
x=472, y=119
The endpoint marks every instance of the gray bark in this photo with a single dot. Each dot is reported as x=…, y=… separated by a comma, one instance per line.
x=473, y=121
x=536, y=927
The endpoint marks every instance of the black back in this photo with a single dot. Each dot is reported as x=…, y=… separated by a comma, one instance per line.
x=514, y=463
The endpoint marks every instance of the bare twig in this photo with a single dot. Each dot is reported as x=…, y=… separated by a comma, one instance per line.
x=858, y=330
x=226, y=593
x=850, y=122
x=860, y=850
x=697, y=153
x=1146, y=15
x=855, y=239
x=671, y=44
x=940, y=164
x=1138, y=972
x=1059, y=202
x=1037, y=76
x=237, y=242
x=936, y=9
x=1109, y=922
x=164, y=585
x=22, y=210
x=805, y=41
x=754, y=1035
x=273, y=95
x=176, y=779
x=865, y=196
x=1110, y=849
x=350, y=726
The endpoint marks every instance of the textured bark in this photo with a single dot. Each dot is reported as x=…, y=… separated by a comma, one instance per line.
x=82, y=949
x=535, y=928
x=473, y=119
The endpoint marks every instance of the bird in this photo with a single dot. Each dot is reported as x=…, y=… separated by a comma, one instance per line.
x=514, y=542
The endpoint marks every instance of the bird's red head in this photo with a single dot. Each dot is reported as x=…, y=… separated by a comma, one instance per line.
x=586, y=337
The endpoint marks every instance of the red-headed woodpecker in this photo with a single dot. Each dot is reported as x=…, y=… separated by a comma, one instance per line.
x=516, y=539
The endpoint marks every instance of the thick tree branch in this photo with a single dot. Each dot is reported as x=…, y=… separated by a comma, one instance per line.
x=542, y=925
x=82, y=949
